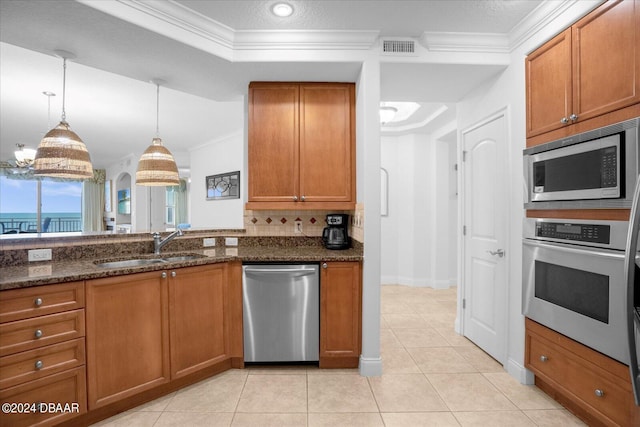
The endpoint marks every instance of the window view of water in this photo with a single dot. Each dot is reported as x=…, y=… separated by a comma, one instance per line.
x=60, y=206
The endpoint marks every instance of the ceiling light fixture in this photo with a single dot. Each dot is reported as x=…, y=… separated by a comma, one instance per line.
x=61, y=153
x=157, y=166
x=387, y=114
x=282, y=10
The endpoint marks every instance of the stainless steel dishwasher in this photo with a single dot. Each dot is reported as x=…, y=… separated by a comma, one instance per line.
x=281, y=312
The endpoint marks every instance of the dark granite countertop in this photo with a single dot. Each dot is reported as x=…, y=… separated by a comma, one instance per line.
x=44, y=273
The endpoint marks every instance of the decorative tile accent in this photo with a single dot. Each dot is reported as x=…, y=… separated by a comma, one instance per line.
x=283, y=220
x=254, y=220
x=313, y=220
x=298, y=219
x=269, y=220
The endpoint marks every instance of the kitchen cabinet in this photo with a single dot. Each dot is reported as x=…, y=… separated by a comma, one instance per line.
x=198, y=318
x=42, y=349
x=595, y=387
x=127, y=336
x=589, y=70
x=301, y=146
x=340, y=314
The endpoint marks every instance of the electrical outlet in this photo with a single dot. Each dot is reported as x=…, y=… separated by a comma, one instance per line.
x=231, y=241
x=208, y=242
x=297, y=228
x=40, y=255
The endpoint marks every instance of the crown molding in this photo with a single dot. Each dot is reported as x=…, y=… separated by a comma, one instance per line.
x=194, y=29
x=398, y=129
x=465, y=42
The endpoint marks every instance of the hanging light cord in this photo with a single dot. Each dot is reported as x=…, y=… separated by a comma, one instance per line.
x=64, y=84
x=157, y=110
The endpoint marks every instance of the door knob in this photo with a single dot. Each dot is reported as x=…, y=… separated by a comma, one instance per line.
x=499, y=252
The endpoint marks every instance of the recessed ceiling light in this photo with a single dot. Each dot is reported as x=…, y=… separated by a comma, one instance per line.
x=282, y=9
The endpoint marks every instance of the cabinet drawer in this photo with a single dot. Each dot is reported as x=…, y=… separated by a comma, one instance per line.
x=543, y=359
x=40, y=331
x=68, y=389
x=33, y=364
x=596, y=389
x=18, y=304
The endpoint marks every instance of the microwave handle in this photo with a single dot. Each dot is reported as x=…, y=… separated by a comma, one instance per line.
x=633, y=319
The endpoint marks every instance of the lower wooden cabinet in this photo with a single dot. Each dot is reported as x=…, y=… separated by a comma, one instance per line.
x=593, y=386
x=127, y=336
x=198, y=322
x=340, y=314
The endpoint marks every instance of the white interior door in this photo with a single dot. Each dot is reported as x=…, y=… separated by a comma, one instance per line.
x=485, y=234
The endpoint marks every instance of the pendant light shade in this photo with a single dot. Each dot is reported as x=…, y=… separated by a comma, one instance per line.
x=61, y=153
x=157, y=166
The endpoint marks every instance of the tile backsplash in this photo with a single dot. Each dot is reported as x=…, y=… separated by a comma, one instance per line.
x=283, y=223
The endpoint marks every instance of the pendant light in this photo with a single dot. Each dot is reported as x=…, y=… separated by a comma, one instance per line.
x=61, y=153
x=157, y=165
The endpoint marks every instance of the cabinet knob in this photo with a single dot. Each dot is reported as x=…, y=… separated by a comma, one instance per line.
x=38, y=333
x=543, y=358
x=573, y=117
x=324, y=265
x=39, y=365
x=164, y=275
x=38, y=302
x=302, y=198
x=173, y=274
x=295, y=198
x=599, y=392
x=564, y=120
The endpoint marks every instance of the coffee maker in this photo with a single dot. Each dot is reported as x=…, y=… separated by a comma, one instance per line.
x=336, y=235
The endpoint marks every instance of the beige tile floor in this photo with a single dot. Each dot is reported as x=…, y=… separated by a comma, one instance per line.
x=432, y=377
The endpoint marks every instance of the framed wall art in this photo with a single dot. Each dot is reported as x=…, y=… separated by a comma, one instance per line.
x=223, y=186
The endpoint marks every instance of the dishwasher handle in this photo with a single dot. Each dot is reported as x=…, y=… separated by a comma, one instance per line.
x=280, y=270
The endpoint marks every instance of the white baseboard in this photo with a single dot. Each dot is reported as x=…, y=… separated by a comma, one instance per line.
x=370, y=367
x=519, y=372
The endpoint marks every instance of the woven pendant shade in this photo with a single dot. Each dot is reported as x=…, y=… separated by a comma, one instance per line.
x=157, y=166
x=62, y=154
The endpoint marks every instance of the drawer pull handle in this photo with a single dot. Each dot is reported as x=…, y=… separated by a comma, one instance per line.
x=39, y=365
x=599, y=392
x=544, y=358
x=38, y=333
x=38, y=302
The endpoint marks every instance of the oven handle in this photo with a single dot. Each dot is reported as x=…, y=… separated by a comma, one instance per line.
x=574, y=250
x=630, y=262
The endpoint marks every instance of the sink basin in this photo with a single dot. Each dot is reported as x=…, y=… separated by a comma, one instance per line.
x=182, y=258
x=146, y=261
x=129, y=263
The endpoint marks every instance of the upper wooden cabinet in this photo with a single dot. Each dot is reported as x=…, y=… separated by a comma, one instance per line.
x=590, y=69
x=301, y=146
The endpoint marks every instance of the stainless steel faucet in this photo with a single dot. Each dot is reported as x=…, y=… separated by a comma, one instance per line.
x=158, y=243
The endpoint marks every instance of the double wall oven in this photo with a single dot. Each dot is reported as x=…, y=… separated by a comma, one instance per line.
x=581, y=278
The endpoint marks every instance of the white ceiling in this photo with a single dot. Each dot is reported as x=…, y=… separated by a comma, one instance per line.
x=111, y=104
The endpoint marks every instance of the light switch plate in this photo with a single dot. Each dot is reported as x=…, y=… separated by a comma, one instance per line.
x=208, y=242
x=231, y=241
x=39, y=255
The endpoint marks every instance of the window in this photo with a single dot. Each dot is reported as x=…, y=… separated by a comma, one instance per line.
x=58, y=203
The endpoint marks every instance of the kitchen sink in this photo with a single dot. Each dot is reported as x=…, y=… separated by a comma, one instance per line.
x=129, y=263
x=139, y=262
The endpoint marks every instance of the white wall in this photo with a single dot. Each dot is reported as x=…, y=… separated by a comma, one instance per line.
x=508, y=90
x=216, y=157
x=417, y=239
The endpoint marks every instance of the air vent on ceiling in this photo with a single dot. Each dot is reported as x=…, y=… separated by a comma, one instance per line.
x=399, y=46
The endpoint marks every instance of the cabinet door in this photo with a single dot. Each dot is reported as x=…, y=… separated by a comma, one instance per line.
x=340, y=314
x=606, y=59
x=273, y=142
x=327, y=142
x=197, y=313
x=127, y=336
x=549, y=89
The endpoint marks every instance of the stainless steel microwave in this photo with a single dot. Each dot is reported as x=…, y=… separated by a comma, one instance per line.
x=595, y=169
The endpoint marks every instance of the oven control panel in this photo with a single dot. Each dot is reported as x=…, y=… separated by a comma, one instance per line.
x=588, y=233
